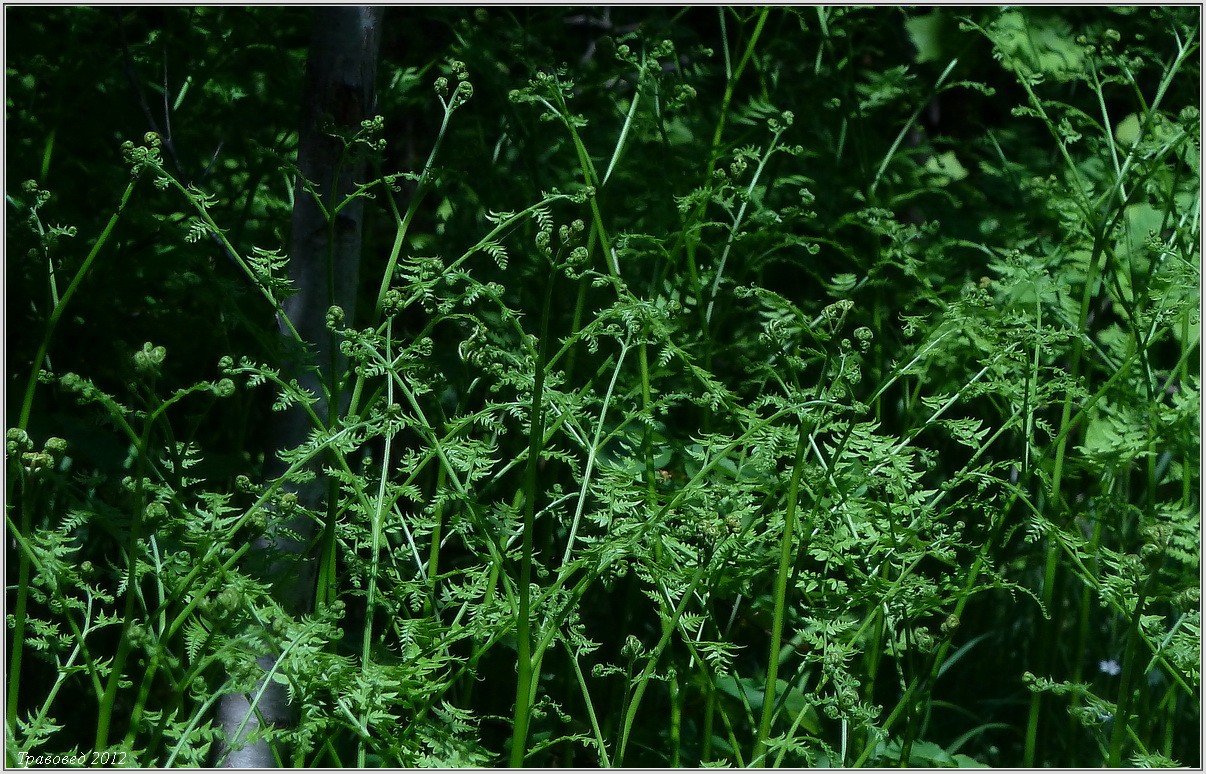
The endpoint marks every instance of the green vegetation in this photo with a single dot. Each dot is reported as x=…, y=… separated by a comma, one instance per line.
x=778, y=386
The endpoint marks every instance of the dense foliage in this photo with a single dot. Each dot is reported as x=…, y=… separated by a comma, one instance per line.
x=761, y=386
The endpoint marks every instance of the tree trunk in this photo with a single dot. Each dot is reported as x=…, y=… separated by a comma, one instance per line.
x=324, y=261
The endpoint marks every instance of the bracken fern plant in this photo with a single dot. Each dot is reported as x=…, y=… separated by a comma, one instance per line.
x=765, y=387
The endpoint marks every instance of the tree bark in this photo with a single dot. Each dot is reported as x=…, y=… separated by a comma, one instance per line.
x=324, y=261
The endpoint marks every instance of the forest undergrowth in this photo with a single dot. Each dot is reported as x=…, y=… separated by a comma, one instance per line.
x=792, y=386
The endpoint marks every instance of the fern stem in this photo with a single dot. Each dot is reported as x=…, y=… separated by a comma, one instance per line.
x=1130, y=666
x=56, y=314
x=785, y=557
x=524, y=684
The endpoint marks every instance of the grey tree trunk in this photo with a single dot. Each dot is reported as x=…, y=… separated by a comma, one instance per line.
x=324, y=261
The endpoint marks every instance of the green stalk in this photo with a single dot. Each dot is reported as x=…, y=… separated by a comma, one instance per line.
x=433, y=559
x=403, y=221
x=636, y=100
x=647, y=433
x=202, y=714
x=19, y=615
x=590, y=711
x=1082, y=638
x=737, y=221
x=56, y=314
x=80, y=650
x=268, y=678
x=731, y=78
x=591, y=177
x=378, y=512
x=904, y=130
x=326, y=582
x=874, y=653
x=579, y=312
x=1122, y=719
x=525, y=683
x=1056, y=502
x=220, y=237
x=705, y=751
x=785, y=563
x=676, y=721
x=731, y=85
x=595, y=445
x=668, y=628
x=105, y=712
x=1098, y=257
